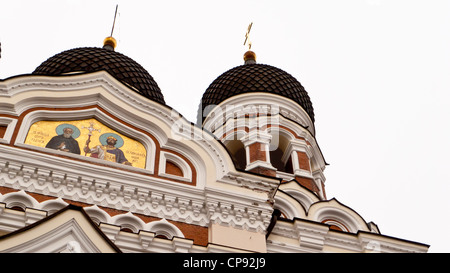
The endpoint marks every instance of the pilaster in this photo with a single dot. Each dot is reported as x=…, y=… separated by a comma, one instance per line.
x=257, y=145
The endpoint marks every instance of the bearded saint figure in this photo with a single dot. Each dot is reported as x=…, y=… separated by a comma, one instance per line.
x=64, y=142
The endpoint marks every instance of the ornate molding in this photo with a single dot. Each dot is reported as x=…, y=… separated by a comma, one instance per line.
x=120, y=195
x=192, y=207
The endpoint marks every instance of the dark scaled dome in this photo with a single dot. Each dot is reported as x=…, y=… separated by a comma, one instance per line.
x=92, y=59
x=255, y=77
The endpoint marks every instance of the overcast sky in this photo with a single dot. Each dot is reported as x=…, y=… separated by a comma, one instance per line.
x=377, y=73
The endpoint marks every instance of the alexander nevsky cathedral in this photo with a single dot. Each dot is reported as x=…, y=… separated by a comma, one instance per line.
x=92, y=160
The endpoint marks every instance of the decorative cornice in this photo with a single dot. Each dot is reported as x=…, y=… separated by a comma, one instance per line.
x=138, y=197
x=270, y=104
x=141, y=195
x=306, y=236
x=267, y=185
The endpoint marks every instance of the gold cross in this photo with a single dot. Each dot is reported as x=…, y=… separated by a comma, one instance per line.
x=247, y=35
x=91, y=129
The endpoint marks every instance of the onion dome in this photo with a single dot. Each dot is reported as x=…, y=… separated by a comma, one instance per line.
x=92, y=59
x=255, y=77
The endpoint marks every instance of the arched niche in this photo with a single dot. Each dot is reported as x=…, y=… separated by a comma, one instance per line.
x=88, y=137
x=236, y=148
x=163, y=229
x=174, y=166
x=237, y=152
x=337, y=216
x=39, y=127
x=278, y=149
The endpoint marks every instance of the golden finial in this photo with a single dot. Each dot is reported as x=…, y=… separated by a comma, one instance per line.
x=109, y=42
x=249, y=56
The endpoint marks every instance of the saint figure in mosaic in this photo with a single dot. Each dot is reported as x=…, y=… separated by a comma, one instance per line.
x=109, y=150
x=65, y=140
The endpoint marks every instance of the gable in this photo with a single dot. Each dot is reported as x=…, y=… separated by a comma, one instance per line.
x=68, y=230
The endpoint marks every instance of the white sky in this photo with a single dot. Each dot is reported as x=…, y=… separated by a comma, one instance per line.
x=377, y=72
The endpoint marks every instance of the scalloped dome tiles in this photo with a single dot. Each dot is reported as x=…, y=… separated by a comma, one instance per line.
x=256, y=78
x=92, y=59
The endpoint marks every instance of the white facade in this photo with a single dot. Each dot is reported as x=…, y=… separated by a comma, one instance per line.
x=211, y=207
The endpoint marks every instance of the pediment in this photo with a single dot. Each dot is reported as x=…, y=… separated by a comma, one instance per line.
x=69, y=230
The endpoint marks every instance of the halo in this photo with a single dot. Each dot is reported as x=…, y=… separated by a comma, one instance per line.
x=60, y=129
x=104, y=136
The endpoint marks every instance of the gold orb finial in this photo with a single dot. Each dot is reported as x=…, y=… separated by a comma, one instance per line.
x=249, y=57
x=109, y=43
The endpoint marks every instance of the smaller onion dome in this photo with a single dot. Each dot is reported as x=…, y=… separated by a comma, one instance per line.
x=254, y=77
